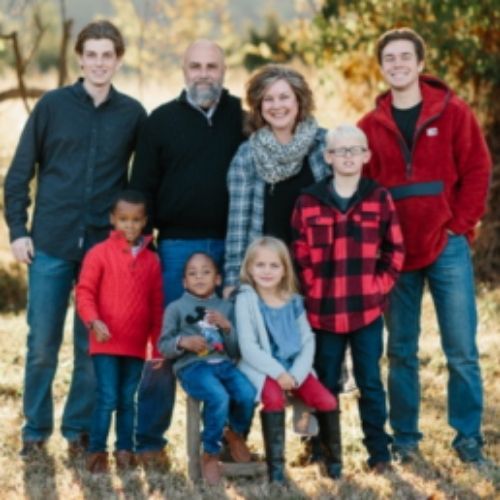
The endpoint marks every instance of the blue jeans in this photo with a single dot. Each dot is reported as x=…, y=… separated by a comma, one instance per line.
x=366, y=347
x=227, y=395
x=117, y=380
x=451, y=283
x=157, y=389
x=51, y=280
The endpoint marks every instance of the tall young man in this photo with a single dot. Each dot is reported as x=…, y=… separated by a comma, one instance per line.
x=428, y=149
x=77, y=142
x=181, y=164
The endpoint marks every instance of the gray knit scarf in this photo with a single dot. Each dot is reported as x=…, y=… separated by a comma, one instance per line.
x=276, y=162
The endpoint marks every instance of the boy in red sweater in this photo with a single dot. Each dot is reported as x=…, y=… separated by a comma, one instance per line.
x=119, y=297
x=348, y=247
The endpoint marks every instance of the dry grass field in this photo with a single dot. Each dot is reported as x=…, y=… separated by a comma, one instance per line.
x=440, y=475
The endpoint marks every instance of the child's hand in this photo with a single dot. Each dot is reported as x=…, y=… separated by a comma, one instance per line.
x=193, y=343
x=156, y=364
x=100, y=330
x=218, y=319
x=286, y=382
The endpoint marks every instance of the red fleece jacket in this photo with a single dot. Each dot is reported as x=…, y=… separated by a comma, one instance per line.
x=442, y=183
x=123, y=291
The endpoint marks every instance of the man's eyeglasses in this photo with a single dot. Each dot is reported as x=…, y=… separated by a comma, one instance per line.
x=342, y=152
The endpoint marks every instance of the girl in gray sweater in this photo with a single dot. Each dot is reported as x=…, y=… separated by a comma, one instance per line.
x=277, y=350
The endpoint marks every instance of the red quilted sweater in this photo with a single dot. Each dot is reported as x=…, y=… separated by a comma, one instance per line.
x=123, y=291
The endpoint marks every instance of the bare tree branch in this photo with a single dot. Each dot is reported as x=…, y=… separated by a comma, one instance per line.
x=67, y=26
x=15, y=93
x=40, y=31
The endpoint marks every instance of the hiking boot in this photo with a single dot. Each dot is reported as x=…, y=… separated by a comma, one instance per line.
x=154, y=460
x=97, y=462
x=211, y=469
x=125, y=459
x=237, y=446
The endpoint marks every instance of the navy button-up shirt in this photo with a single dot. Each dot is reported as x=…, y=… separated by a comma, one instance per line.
x=80, y=155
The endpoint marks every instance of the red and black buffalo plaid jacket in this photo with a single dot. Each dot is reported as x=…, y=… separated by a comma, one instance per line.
x=348, y=262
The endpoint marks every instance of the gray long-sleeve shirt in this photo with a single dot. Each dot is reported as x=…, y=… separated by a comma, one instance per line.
x=182, y=318
x=80, y=155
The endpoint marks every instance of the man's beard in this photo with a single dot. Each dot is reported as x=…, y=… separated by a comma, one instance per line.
x=206, y=96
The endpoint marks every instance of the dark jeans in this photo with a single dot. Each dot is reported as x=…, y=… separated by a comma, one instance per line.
x=157, y=388
x=366, y=347
x=227, y=395
x=51, y=281
x=117, y=380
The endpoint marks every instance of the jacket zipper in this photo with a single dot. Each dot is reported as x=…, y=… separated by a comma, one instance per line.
x=408, y=154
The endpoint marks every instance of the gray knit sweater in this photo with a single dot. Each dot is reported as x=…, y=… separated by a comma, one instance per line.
x=184, y=317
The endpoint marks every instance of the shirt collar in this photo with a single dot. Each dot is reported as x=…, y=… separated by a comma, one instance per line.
x=84, y=95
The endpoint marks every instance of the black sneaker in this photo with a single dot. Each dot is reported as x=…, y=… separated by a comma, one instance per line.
x=405, y=454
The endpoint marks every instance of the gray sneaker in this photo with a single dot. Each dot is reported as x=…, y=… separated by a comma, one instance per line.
x=405, y=454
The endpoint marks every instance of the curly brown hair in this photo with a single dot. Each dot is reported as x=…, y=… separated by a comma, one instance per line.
x=260, y=82
x=98, y=30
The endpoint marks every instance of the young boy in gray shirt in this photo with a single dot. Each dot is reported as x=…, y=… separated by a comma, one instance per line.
x=198, y=336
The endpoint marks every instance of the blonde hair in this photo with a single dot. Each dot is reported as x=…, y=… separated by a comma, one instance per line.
x=346, y=130
x=288, y=284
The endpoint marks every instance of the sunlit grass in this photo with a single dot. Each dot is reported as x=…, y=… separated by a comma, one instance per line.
x=440, y=475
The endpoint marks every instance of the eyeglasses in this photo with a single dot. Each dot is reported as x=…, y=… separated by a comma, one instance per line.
x=342, y=152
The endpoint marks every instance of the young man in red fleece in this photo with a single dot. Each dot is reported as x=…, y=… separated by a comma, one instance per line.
x=119, y=297
x=428, y=149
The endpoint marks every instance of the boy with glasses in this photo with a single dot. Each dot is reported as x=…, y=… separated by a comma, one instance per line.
x=348, y=248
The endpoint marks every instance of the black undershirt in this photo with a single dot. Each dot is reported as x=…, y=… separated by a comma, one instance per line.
x=341, y=202
x=406, y=120
x=279, y=201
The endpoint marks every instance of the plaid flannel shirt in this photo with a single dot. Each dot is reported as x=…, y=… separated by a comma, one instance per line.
x=246, y=202
x=348, y=262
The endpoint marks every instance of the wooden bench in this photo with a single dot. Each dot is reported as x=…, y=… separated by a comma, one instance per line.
x=193, y=445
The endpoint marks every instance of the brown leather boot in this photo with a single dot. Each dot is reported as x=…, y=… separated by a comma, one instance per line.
x=210, y=469
x=154, y=460
x=237, y=446
x=97, y=462
x=125, y=459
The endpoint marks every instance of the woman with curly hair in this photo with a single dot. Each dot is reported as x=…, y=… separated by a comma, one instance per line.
x=282, y=156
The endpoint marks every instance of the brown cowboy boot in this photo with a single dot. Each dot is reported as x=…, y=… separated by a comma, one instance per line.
x=97, y=462
x=210, y=469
